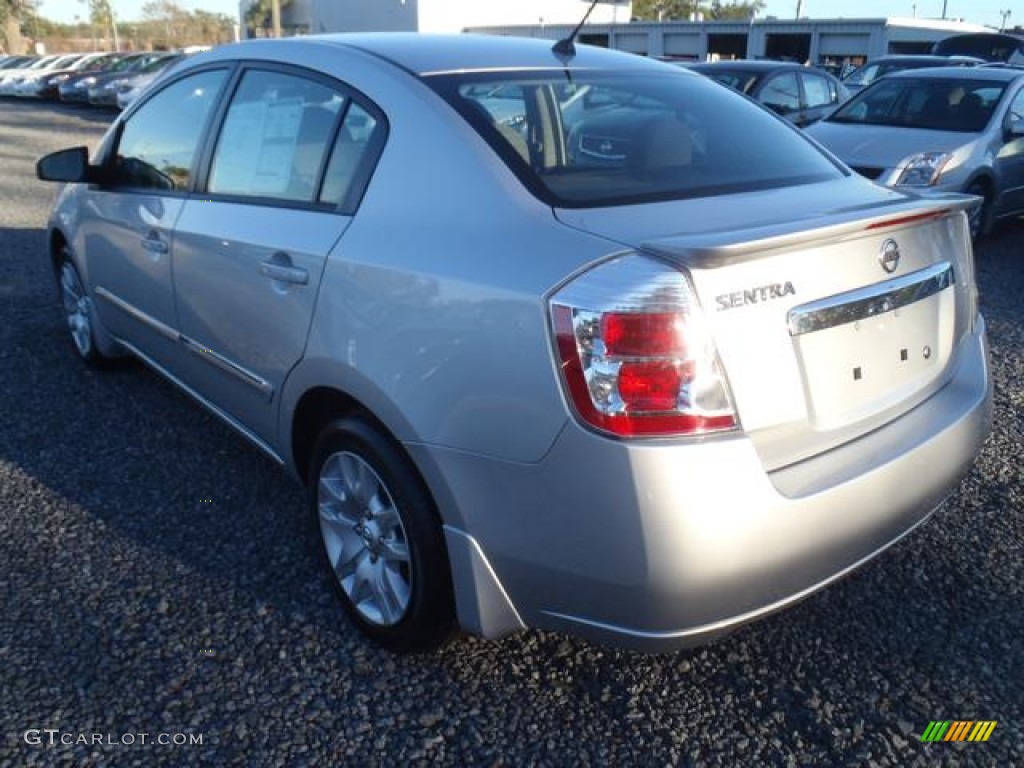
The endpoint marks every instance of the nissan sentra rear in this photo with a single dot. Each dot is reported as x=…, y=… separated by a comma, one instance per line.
x=775, y=371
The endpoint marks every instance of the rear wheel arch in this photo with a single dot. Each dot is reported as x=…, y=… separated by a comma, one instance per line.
x=317, y=408
x=328, y=424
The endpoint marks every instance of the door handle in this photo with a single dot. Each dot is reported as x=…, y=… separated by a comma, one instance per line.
x=284, y=274
x=154, y=244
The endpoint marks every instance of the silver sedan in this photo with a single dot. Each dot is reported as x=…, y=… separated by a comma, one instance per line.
x=948, y=129
x=554, y=337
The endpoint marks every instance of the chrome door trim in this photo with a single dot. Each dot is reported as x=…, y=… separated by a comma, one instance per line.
x=148, y=320
x=219, y=361
x=243, y=374
x=873, y=300
x=223, y=416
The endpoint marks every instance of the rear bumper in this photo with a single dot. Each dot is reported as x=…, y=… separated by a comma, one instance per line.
x=660, y=545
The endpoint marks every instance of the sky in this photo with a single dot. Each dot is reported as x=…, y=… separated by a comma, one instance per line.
x=127, y=10
x=977, y=11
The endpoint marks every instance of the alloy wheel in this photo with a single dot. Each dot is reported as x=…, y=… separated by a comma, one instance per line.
x=365, y=540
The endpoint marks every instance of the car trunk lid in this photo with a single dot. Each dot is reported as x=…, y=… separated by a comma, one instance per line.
x=832, y=323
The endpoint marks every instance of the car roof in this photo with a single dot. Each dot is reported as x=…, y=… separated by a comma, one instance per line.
x=751, y=65
x=425, y=54
x=918, y=57
x=995, y=74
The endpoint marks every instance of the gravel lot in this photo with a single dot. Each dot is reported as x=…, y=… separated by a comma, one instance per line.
x=159, y=577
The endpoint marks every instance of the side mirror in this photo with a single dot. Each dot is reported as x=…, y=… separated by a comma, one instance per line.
x=68, y=165
x=780, y=109
x=1014, y=129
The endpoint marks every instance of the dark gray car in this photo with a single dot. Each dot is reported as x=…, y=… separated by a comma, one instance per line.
x=802, y=95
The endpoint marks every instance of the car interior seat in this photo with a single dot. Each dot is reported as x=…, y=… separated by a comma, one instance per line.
x=662, y=145
x=971, y=114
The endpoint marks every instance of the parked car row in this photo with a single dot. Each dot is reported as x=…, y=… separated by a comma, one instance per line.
x=100, y=79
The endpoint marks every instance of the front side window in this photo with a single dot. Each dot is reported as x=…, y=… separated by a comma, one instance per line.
x=866, y=74
x=817, y=90
x=159, y=142
x=1016, y=111
x=781, y=94
x=582, y=139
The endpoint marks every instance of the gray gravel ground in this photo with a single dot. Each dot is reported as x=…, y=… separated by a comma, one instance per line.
x=158, y=576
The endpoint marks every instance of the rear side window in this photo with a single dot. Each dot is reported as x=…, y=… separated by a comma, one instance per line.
x=583, y=139
x=275, y=138
x=158, y=143
x=288, y=138
x=354, y=149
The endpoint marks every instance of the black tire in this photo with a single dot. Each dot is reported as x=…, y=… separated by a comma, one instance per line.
x=410, y=605
x=980, y=219
x=77, y=309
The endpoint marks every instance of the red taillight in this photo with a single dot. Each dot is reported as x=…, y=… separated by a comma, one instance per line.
x=635, y=356
x=649, y=334
x=649, y=386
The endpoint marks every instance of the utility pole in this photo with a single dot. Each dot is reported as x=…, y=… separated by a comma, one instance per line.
x=799, y=6
x=944, y=3
x=1004, y=14
x=275, y=16
x=113, y=28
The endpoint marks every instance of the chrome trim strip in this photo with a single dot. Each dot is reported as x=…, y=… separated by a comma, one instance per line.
x=218, y=360
x=148, y=320
x=221, y=362
x=868, y=302
x=229, y=420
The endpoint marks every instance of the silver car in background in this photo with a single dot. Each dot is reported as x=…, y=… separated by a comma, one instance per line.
x=874, y=69
x=554, y=338
x=949, y=129
x=129, y=89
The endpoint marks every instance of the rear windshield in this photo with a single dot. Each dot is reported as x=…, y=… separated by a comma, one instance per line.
x=734, y=78
x=591, y=138
x=931, y=103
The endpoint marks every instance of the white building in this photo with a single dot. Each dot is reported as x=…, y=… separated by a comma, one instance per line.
x=820, y=41
x=321, y=16
x=456, y=15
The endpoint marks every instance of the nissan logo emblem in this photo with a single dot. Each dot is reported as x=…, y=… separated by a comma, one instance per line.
x=889, y=258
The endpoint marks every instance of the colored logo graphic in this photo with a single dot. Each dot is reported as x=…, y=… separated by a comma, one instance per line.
x=958, y=730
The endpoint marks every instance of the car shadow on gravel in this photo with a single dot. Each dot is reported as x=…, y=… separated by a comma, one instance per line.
x=28, y=113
